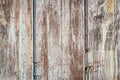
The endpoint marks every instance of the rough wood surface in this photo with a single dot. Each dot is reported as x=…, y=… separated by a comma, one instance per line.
x=16, y=40
x=59, y=39
x=102, y=40
x=117, y=25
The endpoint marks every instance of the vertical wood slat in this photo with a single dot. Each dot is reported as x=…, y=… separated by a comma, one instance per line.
x=59, y=39
x=117, y=25
x=102, y=40
x=16, y=40
x=25, y=40
x=5, y=57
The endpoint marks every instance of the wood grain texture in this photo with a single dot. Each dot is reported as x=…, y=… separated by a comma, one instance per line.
x=25, y=40
x=102, y=40
x=16, y=40
x=59, y=39
x=117, y=25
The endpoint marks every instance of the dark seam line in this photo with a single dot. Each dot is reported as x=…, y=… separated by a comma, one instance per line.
x=34, y=38
x=86, y=75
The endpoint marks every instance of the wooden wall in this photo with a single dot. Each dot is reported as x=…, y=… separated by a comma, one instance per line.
x=103, y=39
x=16, y=40
x=59, y=39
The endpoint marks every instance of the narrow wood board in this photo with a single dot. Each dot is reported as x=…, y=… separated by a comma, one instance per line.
x=102, y=40
x=59, y=39
x=16, y=40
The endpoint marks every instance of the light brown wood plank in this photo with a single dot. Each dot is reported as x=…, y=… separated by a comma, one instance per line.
x=16, y=39
x=73, y=38
x=54, y=39
x=59, y=39
x=25, y=40
x=9, y=41
x=101, y=39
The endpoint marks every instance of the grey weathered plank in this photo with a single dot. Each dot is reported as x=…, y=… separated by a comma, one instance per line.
x=117, y=25
x=16, y=40
x=59, y=39
x=25, y=40
x=101, y=40
x=9, y=43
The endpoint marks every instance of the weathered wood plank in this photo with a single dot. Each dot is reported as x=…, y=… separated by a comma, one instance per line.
x=59, y=39
x=117, y=25
x=25, y=40
x=101, y=39
x=16, y=40
x=73, y=46
x=8, y=41
x=55, y=34
x=41, y=56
